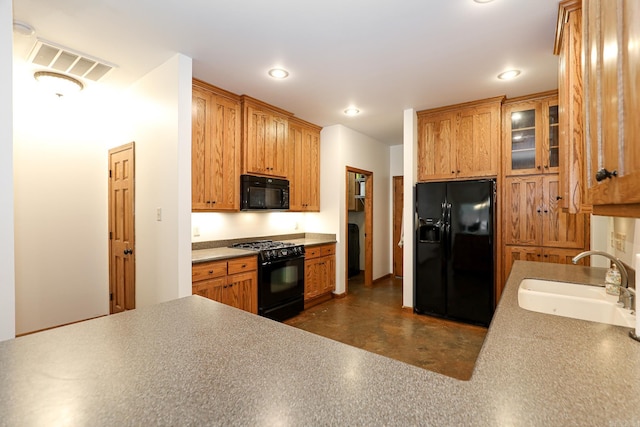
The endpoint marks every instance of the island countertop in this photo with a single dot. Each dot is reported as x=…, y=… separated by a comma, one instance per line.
x=193, y=361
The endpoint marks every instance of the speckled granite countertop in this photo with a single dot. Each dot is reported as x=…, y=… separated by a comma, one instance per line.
x=193, y=361
x=199, y=254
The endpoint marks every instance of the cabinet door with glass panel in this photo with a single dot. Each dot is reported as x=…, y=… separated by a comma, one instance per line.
x=531, y=134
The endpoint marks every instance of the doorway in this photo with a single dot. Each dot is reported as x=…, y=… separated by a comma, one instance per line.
x=359, y=198
x=122, y=290
x=398, y=198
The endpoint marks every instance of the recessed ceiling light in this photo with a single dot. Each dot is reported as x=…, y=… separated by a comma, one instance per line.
x=23, y=29
x=352, y=111
x=508, y=75
x=483, y=1
x=60, y=84
x=278, y=73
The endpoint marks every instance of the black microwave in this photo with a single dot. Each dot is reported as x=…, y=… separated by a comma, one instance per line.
x=262, y=193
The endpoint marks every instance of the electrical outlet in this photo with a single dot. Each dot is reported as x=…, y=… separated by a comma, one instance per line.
x=196, y=231
x=621, y=239
x=612, y=244
x=158, y=214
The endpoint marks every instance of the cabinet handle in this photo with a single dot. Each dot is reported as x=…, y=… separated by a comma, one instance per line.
x=546, y=166
x=558, y=197
x=538, y=210
x=453, y=171
x=538, y=167
x=244, y=266
x=458, y=171
x=603, y=174
x=546, y=256
x=210, y=271
x=546, y=211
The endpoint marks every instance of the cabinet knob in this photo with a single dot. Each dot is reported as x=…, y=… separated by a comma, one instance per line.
x=603, y=174
x=546, y=211
x=558, y=197
x=210, y=271
x=546, y=166
x=538, y=211
x=453, y=171
x=538, y=167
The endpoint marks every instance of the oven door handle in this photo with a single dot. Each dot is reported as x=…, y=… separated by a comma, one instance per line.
x=267, y=263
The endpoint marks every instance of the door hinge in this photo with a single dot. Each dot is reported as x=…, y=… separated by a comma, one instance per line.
x=109, y=173
x=111, y=296
x=111, y=235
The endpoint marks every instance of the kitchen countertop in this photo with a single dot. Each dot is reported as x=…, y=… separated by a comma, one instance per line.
x=194, y=361
x=221, y=253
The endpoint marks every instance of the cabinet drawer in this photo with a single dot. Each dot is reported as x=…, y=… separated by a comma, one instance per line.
x=240, y=265
x=327, y=250
x=208, y=270
x=313, y=252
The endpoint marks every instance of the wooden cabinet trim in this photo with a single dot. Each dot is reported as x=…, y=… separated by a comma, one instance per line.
x=464, y=105
x=247, y=100
x=564, y=9
x=211, y=88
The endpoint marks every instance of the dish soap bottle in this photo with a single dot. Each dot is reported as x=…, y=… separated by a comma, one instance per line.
x=612, y=280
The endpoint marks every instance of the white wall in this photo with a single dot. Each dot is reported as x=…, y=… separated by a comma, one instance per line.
x=60, y=184
x=7, y=272
x=223, y=226
x=410, y=158
x=396, y=161
x=61, y=192
x=159, y=108
x=342, y=147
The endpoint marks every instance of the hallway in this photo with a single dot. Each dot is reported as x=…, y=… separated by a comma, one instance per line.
x=371, y=318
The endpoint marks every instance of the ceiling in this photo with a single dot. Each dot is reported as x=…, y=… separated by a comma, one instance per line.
x=382, y=56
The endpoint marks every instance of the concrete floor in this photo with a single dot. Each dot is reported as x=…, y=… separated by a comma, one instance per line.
x=371, y=318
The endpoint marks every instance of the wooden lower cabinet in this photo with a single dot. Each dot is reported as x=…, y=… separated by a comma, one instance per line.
x=540, y=254
x=233, y=282
x=319, y=273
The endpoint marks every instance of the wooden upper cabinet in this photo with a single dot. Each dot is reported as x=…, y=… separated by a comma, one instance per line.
x=435, y=140
x=523, y=210
x=531, y=134
x=215, y=149
x=612, y=106
x=570, y=107
x=560, y=229
x=533, y=215
x=459, y=141
x=304, y=166
x=264, y=138
x=477, y=140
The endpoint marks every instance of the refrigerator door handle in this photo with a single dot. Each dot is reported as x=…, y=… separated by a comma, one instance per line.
x=447, y=215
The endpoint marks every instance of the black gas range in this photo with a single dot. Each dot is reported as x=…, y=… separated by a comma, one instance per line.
x=280, y=277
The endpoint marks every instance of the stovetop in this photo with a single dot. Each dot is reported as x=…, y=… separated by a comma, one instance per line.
x=270, y=250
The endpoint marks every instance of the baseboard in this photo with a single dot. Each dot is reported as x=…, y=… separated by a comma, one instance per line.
x=385, y=277
x=58, y=326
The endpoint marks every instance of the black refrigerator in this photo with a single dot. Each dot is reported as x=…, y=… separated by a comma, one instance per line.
x=454, y=250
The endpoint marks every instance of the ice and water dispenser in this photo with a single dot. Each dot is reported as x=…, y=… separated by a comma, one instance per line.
x=429, y=230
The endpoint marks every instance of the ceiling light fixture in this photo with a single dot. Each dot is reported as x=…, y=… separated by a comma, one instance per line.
x=483, y=1
x=508, y=75
x=278, y=73
x=351, y=111
x=23, y=29
x=57, y=83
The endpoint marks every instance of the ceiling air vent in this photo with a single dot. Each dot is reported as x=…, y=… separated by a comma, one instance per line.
x=47, y=54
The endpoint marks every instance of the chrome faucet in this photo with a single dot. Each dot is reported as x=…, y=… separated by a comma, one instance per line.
x=624, y=276
x=626, y=295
